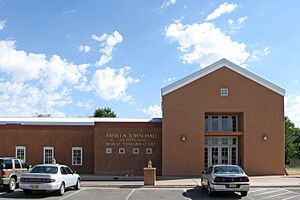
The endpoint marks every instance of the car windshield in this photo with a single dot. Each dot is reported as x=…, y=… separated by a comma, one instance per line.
x=44, y=169
x=227, y=170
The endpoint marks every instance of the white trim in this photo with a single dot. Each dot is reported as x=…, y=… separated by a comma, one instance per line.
x=48, y=148
x=81, y=158
x=21, y=148
x=215, y=66
x=69, y=121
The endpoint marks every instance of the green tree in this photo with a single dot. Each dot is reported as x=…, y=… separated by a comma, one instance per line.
x=42, y=115
x=292, y=140
x=104, y=112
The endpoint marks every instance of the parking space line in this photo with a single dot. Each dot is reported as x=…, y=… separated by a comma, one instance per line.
x=132, y=191
x=267, y=192
x=276, y=195
x=256, y=190
x=292, y=197
x=72, y=194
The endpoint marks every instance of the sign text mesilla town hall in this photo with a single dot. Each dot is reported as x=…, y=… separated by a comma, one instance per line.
x=131, y=139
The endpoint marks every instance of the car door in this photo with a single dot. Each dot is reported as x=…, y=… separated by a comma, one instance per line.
x=65, y=176
x=72, y=176
x=18, y=169
x=206, y=176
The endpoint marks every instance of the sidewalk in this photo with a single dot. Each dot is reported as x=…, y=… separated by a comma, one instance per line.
x=178, y=182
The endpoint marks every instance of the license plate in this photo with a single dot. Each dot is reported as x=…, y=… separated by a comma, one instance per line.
x=34, y=186
x=232, y=185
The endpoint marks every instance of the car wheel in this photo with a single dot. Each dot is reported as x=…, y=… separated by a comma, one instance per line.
x=209, y=190
x=243, y=194
x=11, y=185
x=27, y=192
x=61, y=190
x=77, y=186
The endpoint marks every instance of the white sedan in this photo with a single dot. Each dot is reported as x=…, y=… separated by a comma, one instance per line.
x=49, y=177
x=230, y=178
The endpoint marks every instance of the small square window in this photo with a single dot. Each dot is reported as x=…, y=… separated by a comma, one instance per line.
x=121, y=150
x=149, y=151
x=135, y=151
x=108, y=150
x=224, y=92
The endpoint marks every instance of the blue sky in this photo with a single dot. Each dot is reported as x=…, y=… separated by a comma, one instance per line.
x=67, y=58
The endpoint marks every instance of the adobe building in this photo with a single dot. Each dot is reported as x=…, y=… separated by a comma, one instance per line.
x=222, y=114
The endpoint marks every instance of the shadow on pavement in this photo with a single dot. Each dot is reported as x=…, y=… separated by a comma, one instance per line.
x=35, y=195
x=198, y=193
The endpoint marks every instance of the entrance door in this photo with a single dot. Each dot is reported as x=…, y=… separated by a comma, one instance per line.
x=220, y=150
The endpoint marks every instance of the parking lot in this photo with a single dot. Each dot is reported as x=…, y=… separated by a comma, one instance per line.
x=158, y=193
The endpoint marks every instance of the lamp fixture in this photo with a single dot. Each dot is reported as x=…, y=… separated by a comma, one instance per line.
x=183, y=138
x=265, y=137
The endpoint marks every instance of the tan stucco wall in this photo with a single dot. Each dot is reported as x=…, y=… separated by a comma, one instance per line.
x=62, y=138
x=261, y=109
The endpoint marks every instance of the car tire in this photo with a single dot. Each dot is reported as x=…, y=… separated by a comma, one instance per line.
x=77, y=186
x=209, y=190
x=244, y=193
x=12, y=185
x=61, y=190
x=27, y=192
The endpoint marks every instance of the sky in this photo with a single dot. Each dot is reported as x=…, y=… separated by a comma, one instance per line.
x=67, y=58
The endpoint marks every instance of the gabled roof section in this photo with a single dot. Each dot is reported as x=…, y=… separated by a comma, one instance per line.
x=215, y=66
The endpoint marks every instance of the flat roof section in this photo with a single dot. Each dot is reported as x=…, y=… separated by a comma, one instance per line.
x=69, y=121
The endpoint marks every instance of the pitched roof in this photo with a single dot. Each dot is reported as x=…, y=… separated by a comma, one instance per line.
x=215, y=66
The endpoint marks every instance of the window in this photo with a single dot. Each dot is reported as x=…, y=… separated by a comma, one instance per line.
x=21, y=153
x=17, y=164
x=214, y=123
x=48, y=155
x=63, y=170
x=76, y=155
x=225, y=123
x=135, y=151
x=108, y=150
x=234, y=123
x=224, y=92
x=149, y=151
x=121, y=150
x=8, y=164
x=206, y=123
x=68, y=170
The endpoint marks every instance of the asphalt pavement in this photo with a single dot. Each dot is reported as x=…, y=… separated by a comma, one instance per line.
x=158, y=193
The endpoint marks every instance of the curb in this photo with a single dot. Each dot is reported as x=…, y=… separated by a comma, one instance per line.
x=180, y=186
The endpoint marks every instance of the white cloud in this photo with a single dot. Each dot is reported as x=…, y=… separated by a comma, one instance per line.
x=2, y=24
x=86, y=104
x=112, y=84
x=170, y=79
x=68, y=12
x=84, y=48
x=23, y=99
x=266, y=51
x=153, y=111
x=259, y=53
x=205, y=43
x=30, y=83
x=236, y=24
x=222, y=9
x=292, y=108
x=107, y=43
x=168, y=3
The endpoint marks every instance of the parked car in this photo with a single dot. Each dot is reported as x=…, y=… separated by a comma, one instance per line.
x=49, y=177
x=229, y=178
x=10, y=171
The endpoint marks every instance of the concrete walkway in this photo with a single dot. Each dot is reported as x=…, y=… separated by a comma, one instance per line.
x=173, y=182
